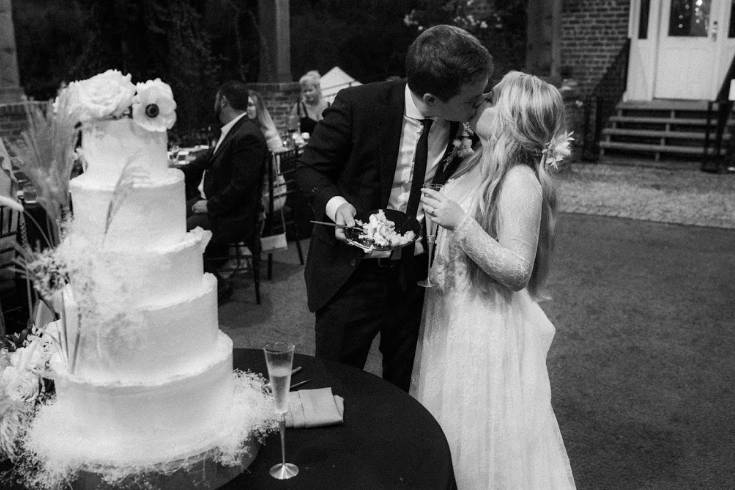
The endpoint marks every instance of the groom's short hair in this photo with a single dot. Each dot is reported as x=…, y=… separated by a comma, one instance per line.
x=443, y=58
x=236, y=93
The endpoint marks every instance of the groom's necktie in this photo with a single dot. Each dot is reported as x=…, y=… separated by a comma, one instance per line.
x=419, y=168
x=446, y=166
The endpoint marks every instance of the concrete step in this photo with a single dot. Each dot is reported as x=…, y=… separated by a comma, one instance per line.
x=664, y=105
x=681, y=121
x=652, y=133
x=648, y=148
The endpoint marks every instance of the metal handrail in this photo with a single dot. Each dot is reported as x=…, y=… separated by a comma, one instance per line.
x=603, y=99
x=712, y=161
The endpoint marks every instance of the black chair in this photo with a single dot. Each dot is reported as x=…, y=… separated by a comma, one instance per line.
x=16, y=293
x=284, y=218
x=244, y=258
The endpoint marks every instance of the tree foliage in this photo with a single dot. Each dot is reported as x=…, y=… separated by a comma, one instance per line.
x=63, y=40
x=366, y=38
x=500, y=25
x=194, y=45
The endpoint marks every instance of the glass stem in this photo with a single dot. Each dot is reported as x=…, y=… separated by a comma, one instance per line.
x=430, y=242
x=282, y=427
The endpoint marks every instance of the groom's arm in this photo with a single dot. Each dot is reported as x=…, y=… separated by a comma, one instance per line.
x=320, y=166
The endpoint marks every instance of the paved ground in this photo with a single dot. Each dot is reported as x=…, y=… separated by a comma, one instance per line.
x=666, y=195
x=642, y=369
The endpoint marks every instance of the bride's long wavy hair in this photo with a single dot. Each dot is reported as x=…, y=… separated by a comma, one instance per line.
x=528, y=118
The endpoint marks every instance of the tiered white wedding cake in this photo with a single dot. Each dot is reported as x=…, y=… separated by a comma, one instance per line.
x=144, y=378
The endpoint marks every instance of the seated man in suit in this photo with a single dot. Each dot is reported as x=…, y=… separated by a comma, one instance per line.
x=233, y=175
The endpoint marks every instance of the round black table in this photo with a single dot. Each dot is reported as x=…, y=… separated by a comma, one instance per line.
x=388, y=439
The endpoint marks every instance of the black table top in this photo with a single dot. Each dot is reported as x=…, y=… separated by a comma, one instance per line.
x=388, y=439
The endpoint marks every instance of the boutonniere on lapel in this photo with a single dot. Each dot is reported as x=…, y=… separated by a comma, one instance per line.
x=462, y=143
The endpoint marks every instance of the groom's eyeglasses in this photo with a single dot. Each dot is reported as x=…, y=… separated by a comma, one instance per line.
x=486, y=97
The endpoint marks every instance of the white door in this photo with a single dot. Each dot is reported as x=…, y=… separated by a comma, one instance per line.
x=690, y=46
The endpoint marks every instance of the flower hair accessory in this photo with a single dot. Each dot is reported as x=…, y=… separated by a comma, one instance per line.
x=555, y=151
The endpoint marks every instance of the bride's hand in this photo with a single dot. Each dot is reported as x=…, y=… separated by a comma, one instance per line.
x=441, y=209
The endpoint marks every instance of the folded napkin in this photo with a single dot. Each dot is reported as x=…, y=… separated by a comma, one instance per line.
x=314, y=408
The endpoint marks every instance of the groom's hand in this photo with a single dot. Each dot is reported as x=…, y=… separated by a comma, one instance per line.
x=345, y=215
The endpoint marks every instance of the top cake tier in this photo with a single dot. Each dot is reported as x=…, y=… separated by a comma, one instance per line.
x=108, y=146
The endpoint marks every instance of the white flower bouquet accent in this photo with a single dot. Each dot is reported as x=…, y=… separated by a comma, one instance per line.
x=104, y=96
x=112, y=95
x=23, y=363
x=153, y=106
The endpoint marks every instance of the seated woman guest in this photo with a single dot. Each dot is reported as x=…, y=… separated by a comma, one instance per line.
x=309, y=109
x=258, y=112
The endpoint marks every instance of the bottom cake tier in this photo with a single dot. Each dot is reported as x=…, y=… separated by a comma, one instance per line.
x=140, y=424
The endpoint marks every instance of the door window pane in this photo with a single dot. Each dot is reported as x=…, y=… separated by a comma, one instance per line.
x=689, y=18
x=643, y=19
x=731, y=28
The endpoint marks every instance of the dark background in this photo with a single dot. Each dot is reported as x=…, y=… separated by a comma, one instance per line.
x=194, y=45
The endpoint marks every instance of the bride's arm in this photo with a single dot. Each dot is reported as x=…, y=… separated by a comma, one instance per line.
x=509, y=259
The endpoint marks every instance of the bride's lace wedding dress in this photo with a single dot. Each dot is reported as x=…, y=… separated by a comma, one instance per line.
x=480, y=364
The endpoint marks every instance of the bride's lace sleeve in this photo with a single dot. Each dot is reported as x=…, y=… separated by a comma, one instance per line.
x=509, y=259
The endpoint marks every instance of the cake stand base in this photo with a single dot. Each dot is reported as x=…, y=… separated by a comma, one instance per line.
x=204, y=474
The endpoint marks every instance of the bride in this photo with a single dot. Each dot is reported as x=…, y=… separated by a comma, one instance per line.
x=480, y=364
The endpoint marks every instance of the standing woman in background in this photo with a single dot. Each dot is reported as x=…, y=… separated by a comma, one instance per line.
x=308, y=110
x=258, y=112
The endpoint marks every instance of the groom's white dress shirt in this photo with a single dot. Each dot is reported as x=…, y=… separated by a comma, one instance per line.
x=410, y=133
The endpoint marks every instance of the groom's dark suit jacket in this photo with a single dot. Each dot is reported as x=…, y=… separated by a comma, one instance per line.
x=352, y=153
x=232, y=182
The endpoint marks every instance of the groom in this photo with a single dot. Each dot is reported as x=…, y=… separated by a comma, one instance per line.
x=377, y=145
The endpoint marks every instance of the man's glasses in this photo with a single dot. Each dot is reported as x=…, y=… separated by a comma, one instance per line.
x=486, y=97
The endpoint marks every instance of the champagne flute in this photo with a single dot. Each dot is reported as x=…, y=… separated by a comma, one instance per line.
x=430, y=231
x=279, y=360
x=292, y=123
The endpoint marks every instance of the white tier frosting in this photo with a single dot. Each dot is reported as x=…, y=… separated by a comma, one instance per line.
x=152, y=378
x=147, y=343
x=140, y=422
x=144, y=277
x=151, y=214
x=108, y=146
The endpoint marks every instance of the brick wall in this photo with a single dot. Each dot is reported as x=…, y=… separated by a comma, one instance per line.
x=13, y=119
x=593, y=31
x=279, y=98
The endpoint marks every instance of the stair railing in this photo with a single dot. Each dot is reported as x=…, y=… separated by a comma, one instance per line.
x=717, y=123
x=601, y=102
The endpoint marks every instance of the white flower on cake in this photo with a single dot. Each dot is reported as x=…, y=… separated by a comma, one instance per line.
x=104, y=96
x=20, y=385
x=20, y=380
x=153, y=106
